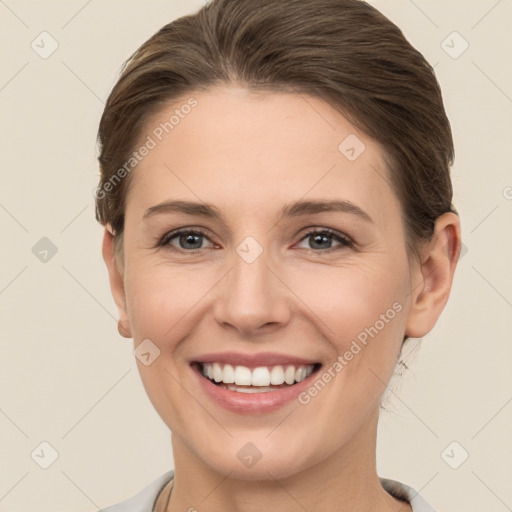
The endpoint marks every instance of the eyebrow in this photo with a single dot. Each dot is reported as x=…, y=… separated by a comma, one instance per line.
x=296, y=209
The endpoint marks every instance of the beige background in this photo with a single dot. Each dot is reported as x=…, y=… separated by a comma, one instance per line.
x=68, y=378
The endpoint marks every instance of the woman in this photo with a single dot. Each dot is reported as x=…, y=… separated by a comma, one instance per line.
x=276, y=198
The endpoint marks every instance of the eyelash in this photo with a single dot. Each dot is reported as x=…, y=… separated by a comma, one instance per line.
x=344, y=240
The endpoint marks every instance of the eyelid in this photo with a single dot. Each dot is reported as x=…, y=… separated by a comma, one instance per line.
x=167, y=237
x=344, y=240
x=319, y=229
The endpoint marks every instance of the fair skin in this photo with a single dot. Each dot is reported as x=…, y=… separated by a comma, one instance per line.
x=249, y=154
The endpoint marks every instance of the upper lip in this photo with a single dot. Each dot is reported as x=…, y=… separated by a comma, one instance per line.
x=253, y=360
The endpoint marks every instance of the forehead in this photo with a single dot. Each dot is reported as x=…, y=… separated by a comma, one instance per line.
x=249, y=149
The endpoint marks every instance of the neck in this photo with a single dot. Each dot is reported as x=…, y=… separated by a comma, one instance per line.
x=345, y=481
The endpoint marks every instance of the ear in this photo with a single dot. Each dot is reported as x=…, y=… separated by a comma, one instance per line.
x=432, y=280
x=116, y=282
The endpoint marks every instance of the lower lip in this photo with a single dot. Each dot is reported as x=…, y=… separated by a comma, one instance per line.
x=252, y=403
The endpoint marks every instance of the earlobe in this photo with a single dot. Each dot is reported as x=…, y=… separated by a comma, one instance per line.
x=116, y=282
x=433, y=280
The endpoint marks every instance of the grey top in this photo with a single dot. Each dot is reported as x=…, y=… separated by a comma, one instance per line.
x=144, y=500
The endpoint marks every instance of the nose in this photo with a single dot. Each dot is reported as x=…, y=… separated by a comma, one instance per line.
x=252, y=298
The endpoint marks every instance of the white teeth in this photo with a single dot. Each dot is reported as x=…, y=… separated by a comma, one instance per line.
x=228, y=374
x=242, y=376
x=277, y=375
x=261, y=377
x=300, y=373
x=289, y=375
x=217, y=372
x=232, y=387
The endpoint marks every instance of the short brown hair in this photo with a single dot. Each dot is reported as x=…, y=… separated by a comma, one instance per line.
x=342, y=51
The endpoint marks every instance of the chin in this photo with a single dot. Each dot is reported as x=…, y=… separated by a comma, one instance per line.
x=246, y=460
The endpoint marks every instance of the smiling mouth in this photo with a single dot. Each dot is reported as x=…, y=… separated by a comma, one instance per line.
x=260, y=379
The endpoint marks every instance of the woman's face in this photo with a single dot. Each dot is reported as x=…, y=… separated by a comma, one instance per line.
x=256, y=281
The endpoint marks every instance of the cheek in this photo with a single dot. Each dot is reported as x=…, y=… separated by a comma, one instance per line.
x=341, y=300
x=349, y=298
x=360, y=310
x=159, y=299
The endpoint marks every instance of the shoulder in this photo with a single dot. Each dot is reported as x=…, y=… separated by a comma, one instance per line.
x=405, y=492
x=145, y=499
